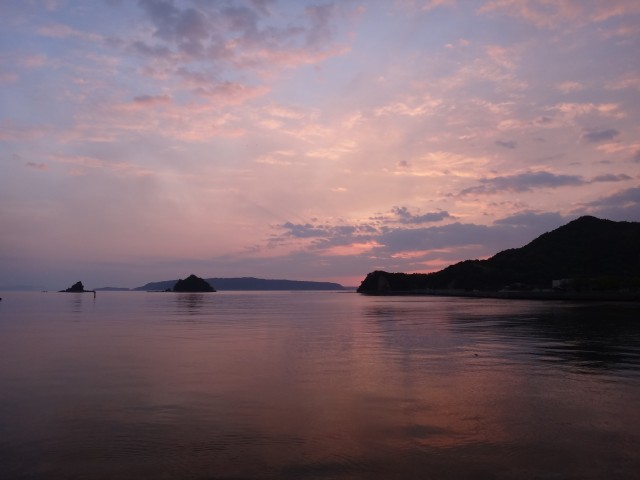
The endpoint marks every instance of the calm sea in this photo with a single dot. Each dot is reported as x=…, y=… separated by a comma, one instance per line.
x=316, y=385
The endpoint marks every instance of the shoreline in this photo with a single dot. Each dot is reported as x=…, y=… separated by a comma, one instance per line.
x=518, y=295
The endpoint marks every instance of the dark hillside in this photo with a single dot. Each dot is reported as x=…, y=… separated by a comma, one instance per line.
x=589, y=252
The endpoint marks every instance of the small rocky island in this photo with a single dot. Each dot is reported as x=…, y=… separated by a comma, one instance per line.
x=193, y=284
x=77, y=287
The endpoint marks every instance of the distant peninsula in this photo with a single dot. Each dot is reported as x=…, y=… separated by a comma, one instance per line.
x=586, y=258
x=248, y=284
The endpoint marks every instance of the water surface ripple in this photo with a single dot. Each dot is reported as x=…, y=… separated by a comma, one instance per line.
x=316, y=385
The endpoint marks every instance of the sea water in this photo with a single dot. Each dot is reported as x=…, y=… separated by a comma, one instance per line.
x=277, y=385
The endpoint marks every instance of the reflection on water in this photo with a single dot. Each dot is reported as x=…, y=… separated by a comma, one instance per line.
x=190, y=303
x=588, y=337
x=78, y=301
x=316, y=385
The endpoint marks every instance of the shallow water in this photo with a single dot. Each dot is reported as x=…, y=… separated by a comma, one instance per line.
x=312, y=385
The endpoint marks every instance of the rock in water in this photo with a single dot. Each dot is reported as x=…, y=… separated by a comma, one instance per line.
x=193, y=284
x=77, y=287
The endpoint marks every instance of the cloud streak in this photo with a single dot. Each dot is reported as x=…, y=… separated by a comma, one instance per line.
x=408, y=218
x=595, y=136
x=523, y=182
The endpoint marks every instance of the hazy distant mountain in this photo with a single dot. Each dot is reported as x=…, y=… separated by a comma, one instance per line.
x=21, y=288
x=587, y=253
x=157, y=286
x=250, y=283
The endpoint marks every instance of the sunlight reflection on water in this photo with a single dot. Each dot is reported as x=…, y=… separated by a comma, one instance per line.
x=316, y=385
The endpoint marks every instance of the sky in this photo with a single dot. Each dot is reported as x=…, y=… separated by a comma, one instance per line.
x=144, y=140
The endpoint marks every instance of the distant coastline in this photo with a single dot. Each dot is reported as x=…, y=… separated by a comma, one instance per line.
x=219, y=283
x=238, y=284
x=249, y=284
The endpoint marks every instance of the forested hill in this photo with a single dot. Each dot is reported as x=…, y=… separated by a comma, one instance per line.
x=588, y=253
x=250, y=283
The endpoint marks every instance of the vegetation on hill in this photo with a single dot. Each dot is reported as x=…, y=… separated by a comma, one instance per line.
x=585, y=254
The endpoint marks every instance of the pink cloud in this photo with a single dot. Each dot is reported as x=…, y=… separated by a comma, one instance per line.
x=570, y=86
x=628, y=81
x=614, y=8
x=229, y=93
x=262, y=58
x=34, y=61
x=82, y=164
x=141, y=102
x=427, y=5
x=152, y=99
x=571, y=111
x=58, y=30
x=235, y=33
x=10, y=131
x=542, y=14
x=411, y=107
x=160, y=116
x=8, y=78
x=548, y=14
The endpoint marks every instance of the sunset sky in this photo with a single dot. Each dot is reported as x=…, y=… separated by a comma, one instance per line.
x=312, y=140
